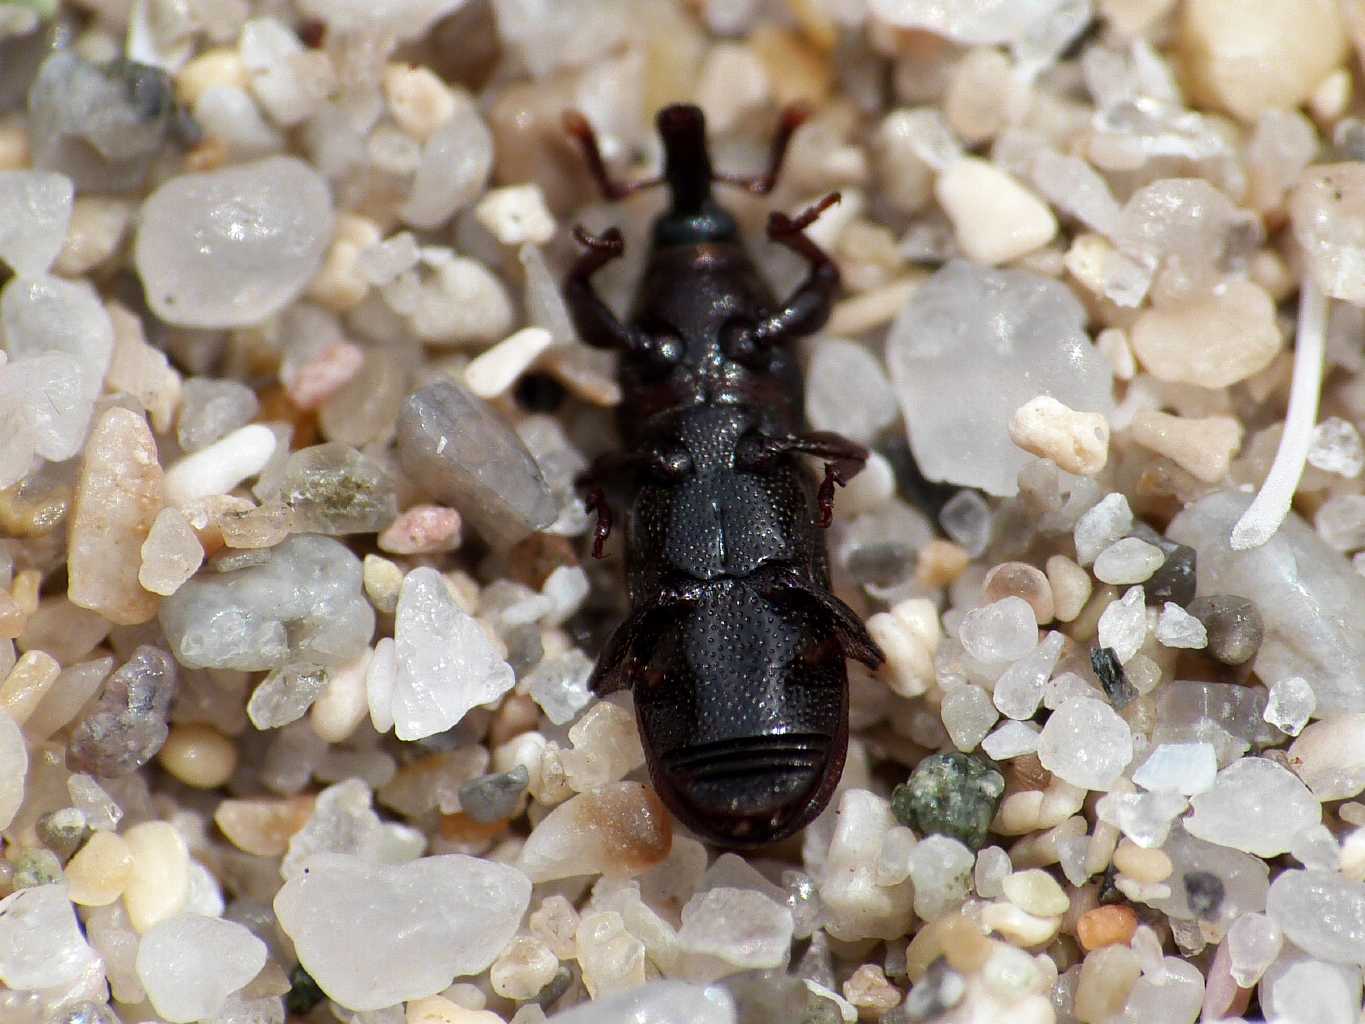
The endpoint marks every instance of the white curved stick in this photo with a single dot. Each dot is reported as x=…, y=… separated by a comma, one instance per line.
x=1265, y=514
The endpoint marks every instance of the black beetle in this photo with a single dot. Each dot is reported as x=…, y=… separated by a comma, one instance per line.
x=734, y=650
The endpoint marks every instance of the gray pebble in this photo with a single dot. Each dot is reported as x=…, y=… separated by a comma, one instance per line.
x=1234, y=626
x=457, y=450
x=491, y=798
x=126, y=725
x=1175, y=580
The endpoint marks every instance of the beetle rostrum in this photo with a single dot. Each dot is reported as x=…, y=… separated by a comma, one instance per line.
x=735, y=648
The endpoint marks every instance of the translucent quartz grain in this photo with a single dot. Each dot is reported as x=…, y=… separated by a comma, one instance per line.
x=848, y=391
x=1322, y=913
x=1012, y=334
x=35, y=208
x=1003, y=631
x=102, y=124
x=1290, y=704
x=619, y=829
x=1327, y=207
x=211, y=409
x=1123, y=625
x=230, y=248
x=443, y=916
x=1086, y=743
x=462, y=454
x=1317, y=632
x=1255, y=805
x=333, y=489
x=304, y=603
x=1101, y=526
x=725, y=931
x=41, y=945
x=171, y=554
x=190, y=964
x=446, y=663
x=1128, y=561
x=659, y=1002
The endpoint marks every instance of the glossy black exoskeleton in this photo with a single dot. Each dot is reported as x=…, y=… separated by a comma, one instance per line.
x=734, y=650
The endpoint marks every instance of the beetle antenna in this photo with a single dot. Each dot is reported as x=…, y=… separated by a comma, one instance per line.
x=578, y=126
x=793, y=117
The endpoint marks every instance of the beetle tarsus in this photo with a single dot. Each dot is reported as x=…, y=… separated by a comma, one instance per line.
x=825, y=496
x=596, y=502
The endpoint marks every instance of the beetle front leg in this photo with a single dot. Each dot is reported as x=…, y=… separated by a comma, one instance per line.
x=808, y=308
x=596, y=324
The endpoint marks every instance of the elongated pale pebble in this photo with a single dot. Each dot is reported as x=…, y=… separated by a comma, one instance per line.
x=1128, y=561
x=1019, y=926
x=1036, y=892
x=221, y=466
x=1071, y=587
x=160, y=884
x=118, y=495
x=495, y=370
x=996, y=218
x=171, y=554
x=1202, y=446
x=27, y=684
x=440, y=1010
x=100, y=870
x=516, y=214
x=380, y=677
x=198, y=756
x=1078, y=442
x=343, y=704
x=263, y=827
x=13, y=768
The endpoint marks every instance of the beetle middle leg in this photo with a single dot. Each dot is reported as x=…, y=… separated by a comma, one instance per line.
x=844, y=459
x=596, y=501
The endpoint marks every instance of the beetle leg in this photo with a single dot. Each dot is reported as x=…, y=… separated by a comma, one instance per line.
x=596, y=324
x=792, y=118
x=597, y=502
x=808, y=307
x=848, y=628
x=578, y=126
x=825, y=496
x=844, y=459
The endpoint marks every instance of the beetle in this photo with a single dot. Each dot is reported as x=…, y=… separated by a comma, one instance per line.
x=734, y=649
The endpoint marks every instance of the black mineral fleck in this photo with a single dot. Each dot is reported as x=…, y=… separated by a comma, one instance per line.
x=1111, y=676
x=1175, y=580
x=303, y=993
x=1204, y=892
x=938, y=991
